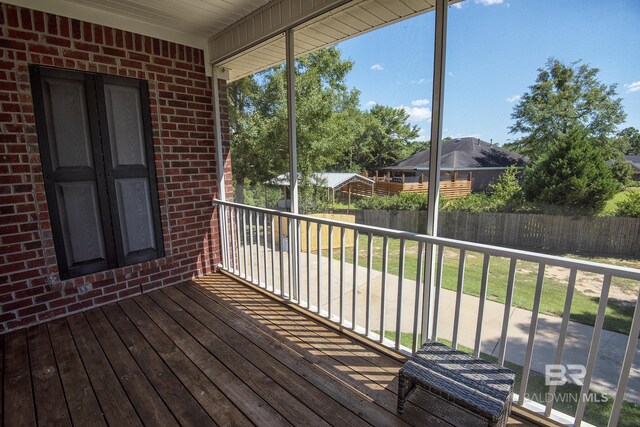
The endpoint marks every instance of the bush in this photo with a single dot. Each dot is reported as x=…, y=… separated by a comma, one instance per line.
x=622, y=171
x=400, y=202
x=572, y=172
x=629, y=206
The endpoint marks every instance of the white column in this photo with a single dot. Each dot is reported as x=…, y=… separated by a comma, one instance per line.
x=434, y=162
x=293, y=161
x=223, y=225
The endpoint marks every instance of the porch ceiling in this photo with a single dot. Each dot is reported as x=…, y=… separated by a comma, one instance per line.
x=349, y=20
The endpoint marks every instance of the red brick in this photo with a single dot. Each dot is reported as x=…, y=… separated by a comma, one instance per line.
x=22, y=35
x=12, y=16
x=58, y=41
x=25, y=15
x=38, y=20
x=52, y=24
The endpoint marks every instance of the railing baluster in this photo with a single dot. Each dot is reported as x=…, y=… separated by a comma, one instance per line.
x=483, y=297
x=296, y=265
x=273, y=253
x=436, y=302
x=319, y=262
x=290, y=259
x=330, y=271
x=264, y=250
x=562, y=336
x=532, y=335
x=383, y=287
x=399, y=299
x=227, y=230
x=244, y=243
x=593, y=349
x=233, y=240
x=459, y=291
x=416, y=307
x=308, y=264
x=281, y=255
x=367, y=318
x=507, y=311
x=253, y=280
x=222, y=223
x=629, y=355
x=354, y=305
x=341, y=300
x=258, y=247
x=237, y=215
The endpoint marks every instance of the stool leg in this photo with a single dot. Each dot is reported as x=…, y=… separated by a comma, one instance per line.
x=405, y=387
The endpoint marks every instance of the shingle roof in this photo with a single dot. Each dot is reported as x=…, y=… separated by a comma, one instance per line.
x=333, y=180
x=464, y=153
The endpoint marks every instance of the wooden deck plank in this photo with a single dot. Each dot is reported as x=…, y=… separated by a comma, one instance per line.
x=115, y=404
x=280, y=399
x=1, y=380
x=81, y=400
x=47, y=390
x=249, y=402
x=144, y=398
x=183, y=405
x=325, y=348
x=309, y=367
x=217, y=405
x=273, y=316
x=19, y=409
x=291, y=373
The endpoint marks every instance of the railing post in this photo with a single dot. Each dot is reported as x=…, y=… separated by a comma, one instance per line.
x=219, y=166
x=434, y=159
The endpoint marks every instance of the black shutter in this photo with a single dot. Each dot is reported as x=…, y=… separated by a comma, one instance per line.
x=69, y=139
x=130, y=168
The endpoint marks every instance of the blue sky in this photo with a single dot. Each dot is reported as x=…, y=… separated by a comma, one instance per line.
x=494, y=49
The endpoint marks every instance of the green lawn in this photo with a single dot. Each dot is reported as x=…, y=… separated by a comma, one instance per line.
x=584, y=307
x=610, y=207
x=597, y=412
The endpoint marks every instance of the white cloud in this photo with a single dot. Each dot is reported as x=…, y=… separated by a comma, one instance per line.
x=633, y=87
x=419, y=102
x=489, y=2
x=418, y=82
x=450, y=74
x=417, y=114
x=424, y=134
x=458, y=5
x=513, y=98
x=377, y=67
x=370, y=103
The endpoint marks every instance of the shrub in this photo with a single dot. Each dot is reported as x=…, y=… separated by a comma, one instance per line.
x=629, y=206
x=622, y=171
x=400, y=202
x=572, y=172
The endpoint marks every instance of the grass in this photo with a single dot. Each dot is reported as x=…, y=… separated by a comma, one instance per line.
x=610, y=208
x=597, y=412
x=584, y=307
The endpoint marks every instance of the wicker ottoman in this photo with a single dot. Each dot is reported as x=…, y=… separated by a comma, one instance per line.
x=474, y=385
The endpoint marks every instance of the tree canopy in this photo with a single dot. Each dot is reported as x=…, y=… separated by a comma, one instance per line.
x=332, y=132
x=565, y=96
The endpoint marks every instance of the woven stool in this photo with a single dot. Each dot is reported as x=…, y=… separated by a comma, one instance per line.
x=475, y=385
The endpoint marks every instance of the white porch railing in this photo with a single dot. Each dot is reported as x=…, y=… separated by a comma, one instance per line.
x=361, y=294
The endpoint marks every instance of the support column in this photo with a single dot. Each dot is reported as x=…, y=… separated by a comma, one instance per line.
x=434, y=164
x=220, y=161
x=293, y=160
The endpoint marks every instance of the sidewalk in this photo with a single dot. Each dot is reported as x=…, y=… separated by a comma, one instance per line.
x=612, y=344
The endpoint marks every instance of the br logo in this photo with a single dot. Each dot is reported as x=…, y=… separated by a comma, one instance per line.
x=560, y=374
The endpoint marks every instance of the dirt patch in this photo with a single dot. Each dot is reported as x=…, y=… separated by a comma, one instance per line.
x=590, y=284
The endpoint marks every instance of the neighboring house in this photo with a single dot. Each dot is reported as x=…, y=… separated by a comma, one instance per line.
x=460, y=158
x=347, y=182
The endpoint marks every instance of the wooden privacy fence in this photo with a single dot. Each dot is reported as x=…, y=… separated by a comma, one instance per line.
x=448, y=189
x=607, y=236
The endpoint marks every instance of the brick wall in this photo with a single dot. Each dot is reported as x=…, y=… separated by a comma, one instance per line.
x=183, y=135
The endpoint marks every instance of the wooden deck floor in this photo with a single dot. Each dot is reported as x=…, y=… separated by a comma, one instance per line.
x=214, y=352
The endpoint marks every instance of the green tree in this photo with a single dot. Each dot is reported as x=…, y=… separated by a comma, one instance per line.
x=627, y=141
x=258, y=118
x=571, y=172
x=621, y=171
x=629, y=206
x=565, y=96
x=386, y=138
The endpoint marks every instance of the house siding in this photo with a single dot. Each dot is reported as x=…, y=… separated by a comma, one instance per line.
x=184, y=145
